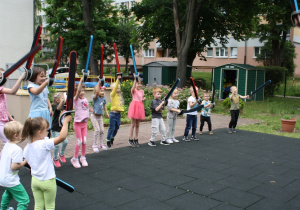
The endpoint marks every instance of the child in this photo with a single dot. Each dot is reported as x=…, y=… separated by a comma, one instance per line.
x=81, y=106
x=40, y=104
x=136, y=111
x=157, y=121
x=58, y=101
x=4, y=115
x=99, y=104
x=173, y=111
x=11, y=162
x=205, y=114
x=191, y=117
x=115, y=112
x=38, y=155
x=234, y=108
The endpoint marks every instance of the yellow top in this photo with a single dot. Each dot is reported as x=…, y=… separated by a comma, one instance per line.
x=116, y=104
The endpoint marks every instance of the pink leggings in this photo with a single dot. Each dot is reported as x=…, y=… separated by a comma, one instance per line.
x=80, y=132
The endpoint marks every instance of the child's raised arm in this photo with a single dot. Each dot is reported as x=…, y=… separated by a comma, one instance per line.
x=38, y=90
x=78, y=89
x=97, y=90
x=61, y=103
x=15, y=88
x=133, y=86
x=64, y=130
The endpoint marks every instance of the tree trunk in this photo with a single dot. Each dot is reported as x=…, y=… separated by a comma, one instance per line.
x=87, y=11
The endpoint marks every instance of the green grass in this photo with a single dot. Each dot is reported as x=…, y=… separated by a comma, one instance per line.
x=269, y=114
x=292, y=89
x=203, y=76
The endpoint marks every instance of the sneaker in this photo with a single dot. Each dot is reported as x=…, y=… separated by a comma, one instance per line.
x=136, y=142
x=62, y=158
x=175, y=140
x=10, y=208
x=95, y=149
x=164, y=143
x=75, y=162
x=230, y=130
x=169, y=141
x=103, y=147
x=151, y=143
x=200, y=133
x=56, y=163
x=130, y=141
x=83, y=161
x=108, y=143
x=112, y=140
x=194, y=138
x=233, y=130
x=211, y=133
x=185, y=138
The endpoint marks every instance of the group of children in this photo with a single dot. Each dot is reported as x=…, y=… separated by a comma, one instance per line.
x=43, y=119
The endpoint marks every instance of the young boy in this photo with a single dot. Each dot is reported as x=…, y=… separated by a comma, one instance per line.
x=205, y=113
x=191, y=117
x=10, y=163
x=235, y=108
x=157, y=121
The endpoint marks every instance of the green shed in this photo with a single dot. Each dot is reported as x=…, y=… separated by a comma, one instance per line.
x=246, y=77
x=161, y=72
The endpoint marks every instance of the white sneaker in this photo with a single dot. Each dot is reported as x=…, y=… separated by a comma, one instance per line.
x=175, y=140
x=103, y=147
x=169, y=141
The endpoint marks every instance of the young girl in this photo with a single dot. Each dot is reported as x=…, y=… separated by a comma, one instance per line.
x=136, y=111
x=173, y=111
x=205, y=113
x=4, y=115
x=38, y=155
x=11, y=162
x=40, y=104
x=115, y=112
x=99, y=104
x=81, y=106
x=58, y=101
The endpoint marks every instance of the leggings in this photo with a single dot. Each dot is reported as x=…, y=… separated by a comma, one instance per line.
x=234, y=118
x=18, y=193
x=63, y=146
x=205, y=119
x=44, y=193
x=97, y=121
x=81, y=133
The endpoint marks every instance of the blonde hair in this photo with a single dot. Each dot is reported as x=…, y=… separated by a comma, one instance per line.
x=192, y=89
x=33, y=125
x=232, y=87
x=11, y=128
x=56, y=96
x=157, y=89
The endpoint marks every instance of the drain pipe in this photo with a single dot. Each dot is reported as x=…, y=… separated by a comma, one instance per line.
x=245, y=56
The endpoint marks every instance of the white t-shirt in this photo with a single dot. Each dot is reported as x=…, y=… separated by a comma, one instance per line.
x=193, y=100
x=11, y=153
x=38, y=156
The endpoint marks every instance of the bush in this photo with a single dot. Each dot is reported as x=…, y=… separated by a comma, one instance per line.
x=226, y=104
x=276, y=75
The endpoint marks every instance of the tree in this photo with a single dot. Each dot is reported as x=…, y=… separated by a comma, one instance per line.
x=273, y=31
x=188, y=27
x=127, y=34
x=76, y=20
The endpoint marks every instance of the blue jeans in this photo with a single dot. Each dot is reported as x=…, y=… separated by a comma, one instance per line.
x=191, y=121
x=63, y=145
x=114, y=125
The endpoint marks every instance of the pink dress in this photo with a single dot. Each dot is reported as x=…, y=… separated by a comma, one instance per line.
x=136, y=108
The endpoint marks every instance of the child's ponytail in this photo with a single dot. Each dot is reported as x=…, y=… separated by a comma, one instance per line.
x=31, y=126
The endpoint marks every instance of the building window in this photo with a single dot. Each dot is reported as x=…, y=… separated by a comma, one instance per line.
x=149, y=53
x=125, y=4
x=257, y=51
x=209, y=52
x=44, y=30
x=132, y=4
x=221, y=52
x=117, y=5
x=233, y=52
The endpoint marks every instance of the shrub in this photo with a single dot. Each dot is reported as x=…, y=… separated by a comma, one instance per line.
x=226, y=104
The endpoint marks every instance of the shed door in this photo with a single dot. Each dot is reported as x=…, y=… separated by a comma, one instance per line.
x=154, y=75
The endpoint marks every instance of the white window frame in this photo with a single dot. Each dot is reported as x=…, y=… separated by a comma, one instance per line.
x=149, y=53
x=132, y=3
x=212, y=52
x=223, y=52
x=231, y=51
x=254, y=53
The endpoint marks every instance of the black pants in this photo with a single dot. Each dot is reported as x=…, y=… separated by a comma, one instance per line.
x=234, y=118
x=202, y=120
